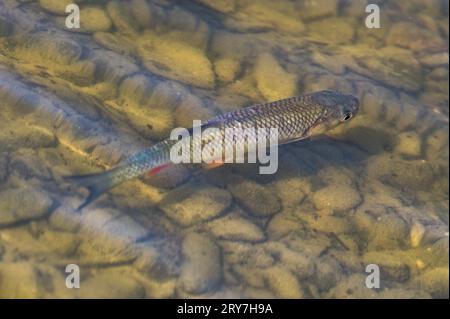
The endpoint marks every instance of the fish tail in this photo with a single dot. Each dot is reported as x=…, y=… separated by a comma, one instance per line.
x=96, y=183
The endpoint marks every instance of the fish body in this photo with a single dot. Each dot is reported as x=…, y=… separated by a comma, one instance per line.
x=294, y=118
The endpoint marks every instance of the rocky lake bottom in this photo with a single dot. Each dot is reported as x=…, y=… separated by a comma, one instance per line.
x=77, y=101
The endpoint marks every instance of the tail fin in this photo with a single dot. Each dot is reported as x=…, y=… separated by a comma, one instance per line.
x=97, y=184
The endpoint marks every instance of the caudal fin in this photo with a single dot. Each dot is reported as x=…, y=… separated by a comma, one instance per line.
x=97, y=184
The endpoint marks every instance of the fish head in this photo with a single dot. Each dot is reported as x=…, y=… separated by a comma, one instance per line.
x=337, y=107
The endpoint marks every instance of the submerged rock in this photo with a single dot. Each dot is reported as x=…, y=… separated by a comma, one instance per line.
x=56, y=6
x=94, y=19
x=390, y=65
x=226, y=69
x=234, y=227
x=339, y=197
x=283, y=283
x=410, y=35
x=255, y=198
x=264, y=14
x=333, y=30
x=409, y=144
x=189, y=205
x=311, y=9
x=201, y=270
x=435, y=281
x=20, y=204
x=110, y=284
x=272, y=80
x=175, y=60
x=18, y=280
x=381, y=226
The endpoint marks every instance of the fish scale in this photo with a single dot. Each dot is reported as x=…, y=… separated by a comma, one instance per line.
x=294, y=118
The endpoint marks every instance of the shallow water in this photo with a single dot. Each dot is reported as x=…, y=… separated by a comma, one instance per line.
x=375, y=191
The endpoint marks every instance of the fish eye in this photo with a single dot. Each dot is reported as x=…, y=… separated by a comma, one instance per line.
x=346, y=117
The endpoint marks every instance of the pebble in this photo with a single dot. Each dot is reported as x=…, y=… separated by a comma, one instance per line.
x=226, y=69
x=18, y=280
x=175, y=60
x=416, y=234
x=141, y=11
x=390, y=65
x=283, y=283
x=55, y=6
x=94, y=19
x=234, y=227
x=332, y=30
x=433, y=60
x=191, y=108
x=311, y=9
x=434, y=281
x=189, y=205
x=100, y=286
x=392, y=267
x=282, y=225
x=411, y=36
x=381, y=226
x=256, y=199
x=352, y=287
x=201, y=270
x=272, y=80
x=264, y=14
x=23, y=204
x=409, y=144
x=121, y=17
x=339, y=197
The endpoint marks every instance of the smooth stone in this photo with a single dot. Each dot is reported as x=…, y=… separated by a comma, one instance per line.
x=380, y=226
x=234, y=227
x=21, y=204
x=284, y=283
x=56, y=6
x=416, y=234
x=257, y=199
x=409, y=144
x=336, y=196
x=392, y=268
x=264, y=14
x=332, y=30
x=175, y=60
x=226, y=69
x=189, y=205
x=413, y=37
x=94, y=19
x=328, y=273
x=201, y=270
x=352, y=287
x=272, y=80
x=110, y=284
x=434, y=281
x=390, y=65
x=142, y=12
x=436, y=59
x=411, y=174
x=18, y=280
x=311, y=9
x=191, y=108
x=121, y=17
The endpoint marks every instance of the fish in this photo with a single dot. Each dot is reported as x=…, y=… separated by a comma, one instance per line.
x=295, y=118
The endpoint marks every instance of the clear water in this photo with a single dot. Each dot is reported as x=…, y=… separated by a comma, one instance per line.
x=373, y=192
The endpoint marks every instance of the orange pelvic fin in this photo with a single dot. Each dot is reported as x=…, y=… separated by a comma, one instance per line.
x=156, y=170
x=213, y=164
